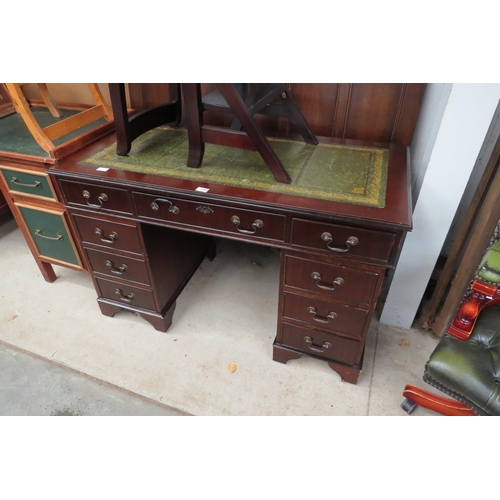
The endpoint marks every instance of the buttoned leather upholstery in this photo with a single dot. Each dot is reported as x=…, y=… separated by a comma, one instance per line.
x=469, y=370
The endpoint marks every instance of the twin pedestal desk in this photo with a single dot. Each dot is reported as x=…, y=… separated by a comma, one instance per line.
x=143, y=235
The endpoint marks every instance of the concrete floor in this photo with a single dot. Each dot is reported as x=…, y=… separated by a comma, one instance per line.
x=60, y=356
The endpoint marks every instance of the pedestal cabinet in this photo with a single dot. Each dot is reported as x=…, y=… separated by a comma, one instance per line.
x=40, y=216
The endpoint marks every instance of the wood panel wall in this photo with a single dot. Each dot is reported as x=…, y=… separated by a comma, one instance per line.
x=381, y=112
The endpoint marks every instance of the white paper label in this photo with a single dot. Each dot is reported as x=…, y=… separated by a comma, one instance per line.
x=203, y=190
x=102, y=169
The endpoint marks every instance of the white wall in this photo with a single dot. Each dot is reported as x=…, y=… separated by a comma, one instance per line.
x=451, y=157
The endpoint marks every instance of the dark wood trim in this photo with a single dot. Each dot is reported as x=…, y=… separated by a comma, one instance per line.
x=470, y=245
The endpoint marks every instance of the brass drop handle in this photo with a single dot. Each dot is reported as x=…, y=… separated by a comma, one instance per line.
x=317, y=278
x=172, y=209
x=112, y=236
x=350, y=242
x=256, y=224
x=323, y=348
x=101, y=199
x=115, y=270
x=39, y=233
x=15, y=180
x=331, y=315
x=125, y=298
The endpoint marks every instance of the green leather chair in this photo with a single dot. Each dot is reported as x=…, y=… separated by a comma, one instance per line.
x=466, y=363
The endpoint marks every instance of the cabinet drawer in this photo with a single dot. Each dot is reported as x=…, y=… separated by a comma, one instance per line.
x=258, y=225
x=325, y=345
x=28, y=182
x=126, y=294
x=339, y=282
x=115, y=235
x=50, y=234
x=96, y=197
x=125, y=268
x=343, y=240
x=324, y=314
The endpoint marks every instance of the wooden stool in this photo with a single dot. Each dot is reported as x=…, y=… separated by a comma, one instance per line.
x=243, y=100
x=44, y=136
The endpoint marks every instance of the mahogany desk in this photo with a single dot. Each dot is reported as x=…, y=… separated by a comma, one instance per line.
x=143, y=236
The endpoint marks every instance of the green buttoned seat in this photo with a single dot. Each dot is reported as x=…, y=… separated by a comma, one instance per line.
x=468, y=370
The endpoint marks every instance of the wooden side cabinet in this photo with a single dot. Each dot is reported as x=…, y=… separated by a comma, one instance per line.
x=41, y=217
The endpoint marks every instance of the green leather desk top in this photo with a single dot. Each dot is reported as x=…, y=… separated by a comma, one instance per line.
x=348, y=174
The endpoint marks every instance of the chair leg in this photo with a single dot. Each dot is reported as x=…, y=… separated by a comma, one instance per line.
x=294, y=113
x=122, y=129
x=194, y=119
x=251, y=128
x=47, y=99
x=434, y=402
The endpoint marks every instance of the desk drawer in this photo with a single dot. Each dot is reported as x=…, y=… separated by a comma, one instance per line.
x=96, y=197
x=324, y=314
x=338, y=282
x=50, y=234
x=343, y=240
x=118, y=266
x=28, y=182
x=115, y=235
x=126, y=294
x=211, y=216
x=322, y=344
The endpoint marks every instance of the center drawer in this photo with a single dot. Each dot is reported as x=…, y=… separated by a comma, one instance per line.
x=211, y=216
x=324, y=314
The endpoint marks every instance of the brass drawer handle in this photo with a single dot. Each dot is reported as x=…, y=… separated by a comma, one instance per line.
x=39, y=233
x=256, y=224
x=331, y=315
x=172, y=209
x=15, y=180
x=323, y=348
x=317, y=278
x=351, y=242
x=115, y=270
x=101, y=199
x=125, y=298
x=112, y=236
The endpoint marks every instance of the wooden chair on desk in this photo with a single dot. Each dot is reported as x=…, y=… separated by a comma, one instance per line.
x=243, y=100
x=45, y=136
x=129, y=126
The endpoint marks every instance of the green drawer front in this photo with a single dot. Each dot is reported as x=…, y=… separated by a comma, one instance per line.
x=28, y=183
x=50, y=235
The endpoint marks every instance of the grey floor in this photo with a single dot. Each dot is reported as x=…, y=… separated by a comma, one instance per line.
x=60, y=357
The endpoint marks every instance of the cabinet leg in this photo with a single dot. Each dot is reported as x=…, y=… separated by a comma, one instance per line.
x=159, y=322
x=347, y=373
x=282, y=354
x=108, y=309
x=47, y=272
